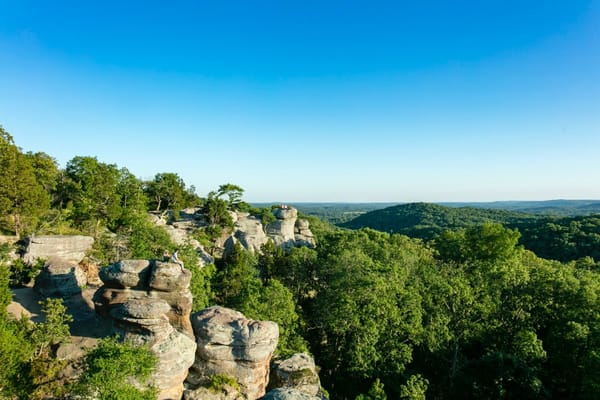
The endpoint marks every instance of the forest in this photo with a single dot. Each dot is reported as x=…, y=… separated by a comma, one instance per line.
x=410, y=302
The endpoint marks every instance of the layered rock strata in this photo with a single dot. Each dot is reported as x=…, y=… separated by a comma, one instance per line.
x=231, y=344
x=297, y=372
x=149, y=302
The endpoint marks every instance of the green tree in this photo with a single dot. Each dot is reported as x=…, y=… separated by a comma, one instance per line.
x=234, y=195
x=167, y=191
x=22, y=198
x=109, y=366
x=92, y=189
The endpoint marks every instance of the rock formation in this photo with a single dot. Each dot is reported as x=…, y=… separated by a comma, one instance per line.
x=249, y=232
x=297, y=373
x=302, y=234
x=232, y=345
x=149, y=302
x=289, y=394
x=289, y=231
x=60, y=278
x=282, y=229
x=72, y=248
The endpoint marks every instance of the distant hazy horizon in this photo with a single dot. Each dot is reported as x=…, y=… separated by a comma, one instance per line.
x=315, y=101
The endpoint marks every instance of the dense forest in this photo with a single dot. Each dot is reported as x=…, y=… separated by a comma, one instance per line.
x=554, y=237
x=467, y=308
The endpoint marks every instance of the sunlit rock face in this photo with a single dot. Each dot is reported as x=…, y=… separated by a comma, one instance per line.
x=233, y=345
x=149, y=302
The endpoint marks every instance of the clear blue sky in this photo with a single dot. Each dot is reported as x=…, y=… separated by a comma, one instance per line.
x=315, y=100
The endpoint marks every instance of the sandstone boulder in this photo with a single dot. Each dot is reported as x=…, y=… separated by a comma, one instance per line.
x=232, y=345
x=225, y=392
x=250, y=233
x=72, y=248
x=126, y=274
x=303, y=236
x=149, y=302
x=297, y=372
x=60, y=278
x=289, y=394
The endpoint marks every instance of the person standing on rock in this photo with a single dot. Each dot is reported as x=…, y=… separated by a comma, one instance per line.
x=175, y=258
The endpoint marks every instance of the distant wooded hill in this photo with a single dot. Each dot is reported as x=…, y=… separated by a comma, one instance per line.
x=553, y=237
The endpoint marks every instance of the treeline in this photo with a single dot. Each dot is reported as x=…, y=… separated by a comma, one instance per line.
x=470, y=314
x=557, y=238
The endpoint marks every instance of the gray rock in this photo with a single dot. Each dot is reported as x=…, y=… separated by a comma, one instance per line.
x=231, y=344
x=72, y=248
x=289, y=394
x=126, y=274
x=169, y=277
x=249, y=232
x=149, y=302
x=297, y=372
x=282, y=232
x=60, y=278
x=226, y=392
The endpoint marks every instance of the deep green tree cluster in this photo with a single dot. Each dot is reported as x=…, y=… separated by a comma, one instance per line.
x=472, y=316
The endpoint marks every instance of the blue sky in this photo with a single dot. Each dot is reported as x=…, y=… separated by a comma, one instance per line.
x=313, y=100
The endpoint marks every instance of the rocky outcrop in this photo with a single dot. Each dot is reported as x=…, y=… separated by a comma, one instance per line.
x=302, y=234
x=282, y=229
x=232, y=345
x=68, y=248
x=225, y=392
x=60, y=278
x=297, y=372
x=149, y=302
x=289, y=394
x=288, y=231
x=249, y=232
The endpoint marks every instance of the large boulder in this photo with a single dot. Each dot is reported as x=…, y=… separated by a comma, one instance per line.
x=303, y=236
x=282, y=229
x=126, y=274
x=297, y=372
x=225, y=392
x=60, y=278
x=149, y=302
x=71, y=248
x=249, y=232
x=289, y=394
x=230, y=344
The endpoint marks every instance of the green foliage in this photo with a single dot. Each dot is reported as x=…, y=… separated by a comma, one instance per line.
x=238, y=285
x=54, y=329
x=16, y=351
x=23, y=199
x=108, y=367
x=91, y=188
x=5, y=293
x=167, y=191
x=234, y=195
x=414, y=389
x=425, y=220
x=22, y=273
x=216, y=211
x=219, y=381
x=375, y=393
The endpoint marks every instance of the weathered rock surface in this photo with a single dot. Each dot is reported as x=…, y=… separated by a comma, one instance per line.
x=249, y=232
x=226, y=392
x=289, y=394
x=282, y=229
x=60, y=278
x=150, y=302
x=231, y=344
x=72, y=248
x=302, y=234
x=297, y=372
